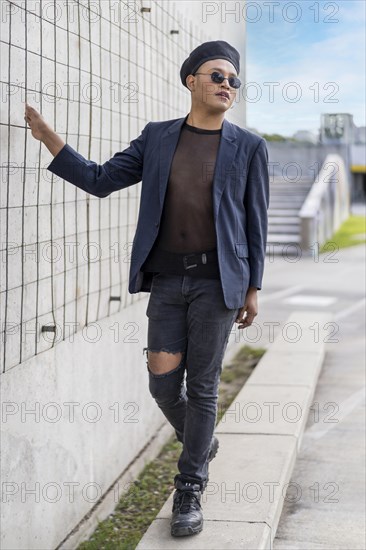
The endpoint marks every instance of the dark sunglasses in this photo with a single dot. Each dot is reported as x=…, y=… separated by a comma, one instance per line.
x=234, y=81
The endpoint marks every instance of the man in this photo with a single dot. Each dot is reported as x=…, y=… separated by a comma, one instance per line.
x=199, y=249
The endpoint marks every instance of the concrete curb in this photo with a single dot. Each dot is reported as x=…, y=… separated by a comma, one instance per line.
x=244, y=497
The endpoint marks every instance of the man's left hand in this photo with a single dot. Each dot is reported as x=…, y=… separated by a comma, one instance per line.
x=250, y=307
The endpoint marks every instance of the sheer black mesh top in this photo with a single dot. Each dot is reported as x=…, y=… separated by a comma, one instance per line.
x=187, y=222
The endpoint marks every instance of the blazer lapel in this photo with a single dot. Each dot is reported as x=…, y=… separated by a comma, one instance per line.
x=168, y=143
x=224, y=160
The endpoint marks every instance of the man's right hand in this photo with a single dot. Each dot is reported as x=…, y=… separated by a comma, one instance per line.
x=36, y=122
x=42, y=131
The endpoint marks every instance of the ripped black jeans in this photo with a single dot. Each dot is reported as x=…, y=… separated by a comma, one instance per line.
x=188, y=315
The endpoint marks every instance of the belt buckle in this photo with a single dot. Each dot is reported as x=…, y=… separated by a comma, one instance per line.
x=185, y=262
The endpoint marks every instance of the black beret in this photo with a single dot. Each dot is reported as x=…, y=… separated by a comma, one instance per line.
x=216, y=49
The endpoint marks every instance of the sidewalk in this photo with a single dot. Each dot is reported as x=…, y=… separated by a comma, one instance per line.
x=248, y=479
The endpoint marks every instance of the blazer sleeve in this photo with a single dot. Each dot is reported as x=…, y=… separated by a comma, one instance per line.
x=256, y=203
x=122, y=170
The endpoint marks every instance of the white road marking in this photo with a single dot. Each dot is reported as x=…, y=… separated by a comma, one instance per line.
x=308, y=300
x=281, y=293
x=345, y=408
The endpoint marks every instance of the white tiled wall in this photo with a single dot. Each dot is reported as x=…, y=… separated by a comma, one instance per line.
x=44, y=52
x=58, y=66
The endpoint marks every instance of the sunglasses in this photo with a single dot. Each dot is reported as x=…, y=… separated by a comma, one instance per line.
x=234, y=81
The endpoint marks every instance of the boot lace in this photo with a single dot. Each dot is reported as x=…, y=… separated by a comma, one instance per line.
x=186, y=500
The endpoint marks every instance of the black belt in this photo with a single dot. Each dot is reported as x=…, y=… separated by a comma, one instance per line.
x=192, y=260
x=202, y=258
x=196, y=262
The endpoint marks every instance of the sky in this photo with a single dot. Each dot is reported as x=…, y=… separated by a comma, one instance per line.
x=311, y=54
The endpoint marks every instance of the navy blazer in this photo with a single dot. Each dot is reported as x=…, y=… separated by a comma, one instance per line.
x=240, y=194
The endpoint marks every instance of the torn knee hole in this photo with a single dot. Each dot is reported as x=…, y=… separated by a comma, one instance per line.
x=162, y=361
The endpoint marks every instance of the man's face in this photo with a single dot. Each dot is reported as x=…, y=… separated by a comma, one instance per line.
x=219, y=97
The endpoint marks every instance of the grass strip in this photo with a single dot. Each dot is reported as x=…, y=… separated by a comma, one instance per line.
x=351, y=232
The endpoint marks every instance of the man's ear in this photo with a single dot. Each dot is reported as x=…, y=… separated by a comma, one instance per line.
x=190, y=83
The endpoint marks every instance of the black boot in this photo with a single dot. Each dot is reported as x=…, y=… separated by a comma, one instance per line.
x=187, y=518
